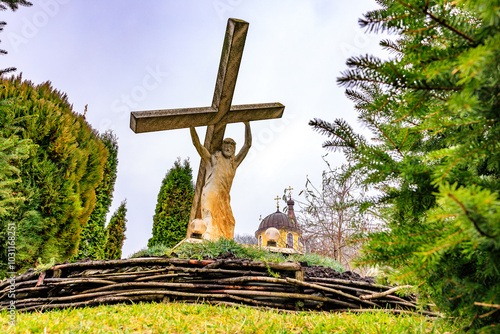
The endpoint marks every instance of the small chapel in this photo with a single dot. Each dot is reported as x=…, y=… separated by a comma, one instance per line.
x=281, y=230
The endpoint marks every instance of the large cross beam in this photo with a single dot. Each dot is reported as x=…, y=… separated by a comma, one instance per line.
x=218, y=114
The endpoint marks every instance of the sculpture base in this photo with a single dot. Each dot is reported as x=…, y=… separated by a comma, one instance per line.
x=281, y=250
x=188, y=240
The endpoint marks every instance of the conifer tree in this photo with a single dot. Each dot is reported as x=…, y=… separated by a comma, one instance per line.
x=116, y=233
x=13, y=149
x=433, y=110
x=13, y=4
x=58, y=179
x=93, y=236
x=173, y=206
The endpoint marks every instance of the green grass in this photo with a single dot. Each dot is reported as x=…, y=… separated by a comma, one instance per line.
x=213, y=249
x=203, y=318
x=200, y=318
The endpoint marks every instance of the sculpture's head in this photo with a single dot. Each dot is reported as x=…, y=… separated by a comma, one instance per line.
x=228, y=147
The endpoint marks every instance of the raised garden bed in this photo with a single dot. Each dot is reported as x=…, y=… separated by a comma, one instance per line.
x=224, y=280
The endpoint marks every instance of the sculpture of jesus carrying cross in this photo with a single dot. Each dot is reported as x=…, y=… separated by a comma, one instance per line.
x=218, y=165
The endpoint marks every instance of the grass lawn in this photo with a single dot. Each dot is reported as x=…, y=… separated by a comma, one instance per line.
x=200, y=318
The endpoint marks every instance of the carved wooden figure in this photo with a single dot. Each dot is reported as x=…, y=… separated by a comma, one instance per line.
x=215, y=118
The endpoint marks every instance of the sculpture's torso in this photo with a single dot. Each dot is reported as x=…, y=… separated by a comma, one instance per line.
x=215, y=198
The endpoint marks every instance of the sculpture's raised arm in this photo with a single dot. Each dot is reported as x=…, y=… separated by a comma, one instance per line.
x=248, y=142
x=202, y=150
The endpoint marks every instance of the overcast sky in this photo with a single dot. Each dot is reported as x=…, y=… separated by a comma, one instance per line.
x=119, y=56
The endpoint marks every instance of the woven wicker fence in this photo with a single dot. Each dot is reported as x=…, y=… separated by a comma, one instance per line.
x=229, y=281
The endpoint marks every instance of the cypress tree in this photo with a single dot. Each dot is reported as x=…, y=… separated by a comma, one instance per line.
x=433, y=110
x=173, y=206
x=13, y=150
x=93, y=236
x=58, y=179
x=116, y=233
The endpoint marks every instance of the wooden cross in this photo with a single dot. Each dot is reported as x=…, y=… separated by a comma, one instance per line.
x=215, y=117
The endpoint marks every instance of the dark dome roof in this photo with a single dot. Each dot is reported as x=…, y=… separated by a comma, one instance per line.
x=277, y=220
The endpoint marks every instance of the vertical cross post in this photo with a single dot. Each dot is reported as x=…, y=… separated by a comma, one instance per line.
x=232, y=51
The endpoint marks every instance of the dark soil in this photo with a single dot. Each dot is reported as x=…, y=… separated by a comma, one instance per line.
x=309, y=271
x=312, y=271
x=323, y=272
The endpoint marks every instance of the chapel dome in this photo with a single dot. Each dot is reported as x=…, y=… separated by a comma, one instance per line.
x=279, y=221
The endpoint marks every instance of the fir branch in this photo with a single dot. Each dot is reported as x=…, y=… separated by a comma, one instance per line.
x=497, y=306
x=488, y=314
x=14, y=4
x=462, y=124
x=413, y=31
x=461, y=157
x=426, y=11
x=354, y=78
x=431, y=88
x=386, y=102
x=357, y=97
x=468, y=214
x=7, y=70
x=394, y=69
x=420, y=102
x=353, y=82
x=376, y=24
x=391, y=46
x=386, y=136
x=404, y=139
